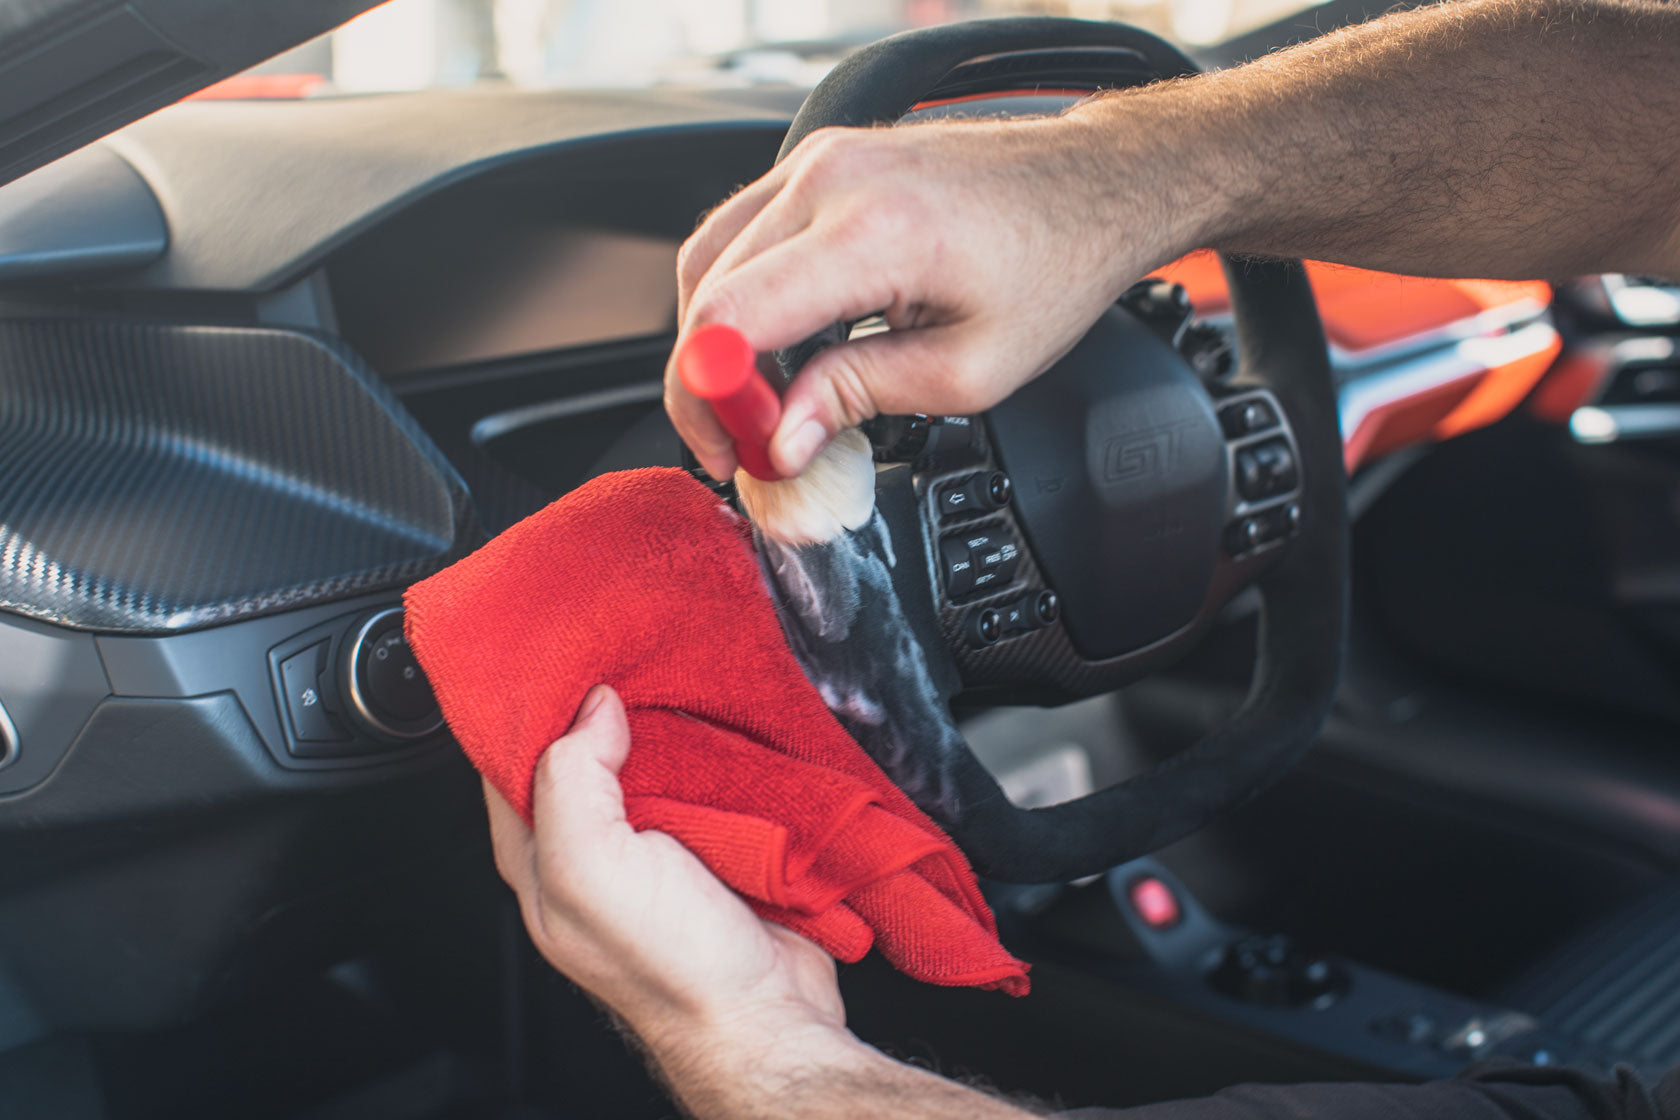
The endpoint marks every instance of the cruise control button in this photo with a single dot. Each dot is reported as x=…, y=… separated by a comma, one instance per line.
x=1246, y=417
x=300, y=677
x=1265, y=470
x=958, y=565
x=995, y=558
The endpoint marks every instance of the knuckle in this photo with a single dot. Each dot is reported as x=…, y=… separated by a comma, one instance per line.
x=850, y=398
x=713, y=305
x=826, y=155
x=688, y=261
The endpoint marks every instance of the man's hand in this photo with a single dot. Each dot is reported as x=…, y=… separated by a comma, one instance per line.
x=989, y=246
x=743, y=1018
x=1491, y=138
x=634, y=917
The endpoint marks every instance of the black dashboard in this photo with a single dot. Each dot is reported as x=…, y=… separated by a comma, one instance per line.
x=317, y=349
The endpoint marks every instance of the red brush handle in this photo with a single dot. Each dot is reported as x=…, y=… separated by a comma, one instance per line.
x=717, y=364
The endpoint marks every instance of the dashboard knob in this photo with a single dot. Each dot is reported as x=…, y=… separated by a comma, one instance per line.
x=387, y=692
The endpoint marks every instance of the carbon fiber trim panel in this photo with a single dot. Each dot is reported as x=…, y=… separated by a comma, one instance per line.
x=157, y=478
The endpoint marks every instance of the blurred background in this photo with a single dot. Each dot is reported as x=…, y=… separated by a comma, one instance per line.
x=417, y=44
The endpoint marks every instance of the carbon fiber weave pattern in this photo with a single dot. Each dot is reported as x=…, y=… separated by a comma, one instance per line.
x=157, y=478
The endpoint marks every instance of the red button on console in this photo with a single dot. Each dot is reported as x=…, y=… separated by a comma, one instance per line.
x=1154, y=901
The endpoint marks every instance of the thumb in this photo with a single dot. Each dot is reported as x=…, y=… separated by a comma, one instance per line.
x=600, y=731
x=841, y=387
x=576, y=787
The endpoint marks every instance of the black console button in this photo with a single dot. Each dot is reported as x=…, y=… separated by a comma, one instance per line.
x=1247, y=417
x=996, y=557
x=950, y=436
x=300, y=676
x=1030, y=612
x=955, y=501
x=897, y=439
x=1047, y=607
x=981, y=492
x=1273, y=971
x=1266, y=470
x=985, y=627
x=958, y=565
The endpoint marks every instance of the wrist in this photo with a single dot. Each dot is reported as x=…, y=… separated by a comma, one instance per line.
x=756, y=1065
x=1175, y=163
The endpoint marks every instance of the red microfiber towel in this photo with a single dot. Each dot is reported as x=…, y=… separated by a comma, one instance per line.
x=644, y=581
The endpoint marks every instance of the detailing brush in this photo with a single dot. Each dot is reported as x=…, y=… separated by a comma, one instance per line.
x=829, y=563
x=835, y=493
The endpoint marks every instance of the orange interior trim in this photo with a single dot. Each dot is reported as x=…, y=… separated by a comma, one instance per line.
x=1362, y=309
x=938, y=101
x=1499, y=392
x=261, y=87
x=1403, y=422
x=1569, y=385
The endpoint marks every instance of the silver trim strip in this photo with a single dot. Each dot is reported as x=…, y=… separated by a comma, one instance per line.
x=358, y=701
x=1617, y=422
x=1494, y=320
x=1434, y=370
x=501, y=423
x=9, y=747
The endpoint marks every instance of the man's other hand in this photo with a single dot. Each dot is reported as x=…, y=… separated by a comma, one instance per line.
x=636, y=919
x=989, y=246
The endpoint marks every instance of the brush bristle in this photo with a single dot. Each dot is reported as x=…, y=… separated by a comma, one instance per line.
x=836, y=493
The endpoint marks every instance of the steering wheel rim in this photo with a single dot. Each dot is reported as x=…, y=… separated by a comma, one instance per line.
x=1303, y=595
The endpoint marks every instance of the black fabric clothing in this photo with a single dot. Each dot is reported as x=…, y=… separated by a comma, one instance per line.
x=1504, y=1092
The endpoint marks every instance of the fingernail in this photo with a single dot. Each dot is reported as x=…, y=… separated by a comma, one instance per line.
x=592, y=702
x=801, y=445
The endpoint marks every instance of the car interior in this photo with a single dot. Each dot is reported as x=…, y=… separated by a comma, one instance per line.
x=266, y=363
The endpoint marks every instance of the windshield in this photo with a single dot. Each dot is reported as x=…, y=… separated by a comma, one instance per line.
x=420, y=44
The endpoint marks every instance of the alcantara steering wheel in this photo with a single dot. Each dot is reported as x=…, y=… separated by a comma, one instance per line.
x=1087, y=530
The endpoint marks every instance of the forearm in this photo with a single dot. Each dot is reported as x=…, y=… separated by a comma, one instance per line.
x=815, y=1073
x=1506, y=138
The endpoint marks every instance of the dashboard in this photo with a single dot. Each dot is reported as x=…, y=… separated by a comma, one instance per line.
x=430, y=314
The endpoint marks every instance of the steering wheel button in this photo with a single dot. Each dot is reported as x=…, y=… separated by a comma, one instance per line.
x=985, y=627
x=1266, y=470
x=1246, y=418
x=955, y=501
x=1002, y=556
x=958, y=564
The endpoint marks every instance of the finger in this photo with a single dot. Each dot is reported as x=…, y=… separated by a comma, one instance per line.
x=719, y=228
x=920, y=370
x=694, y=419
x=510, y=840
x=792, y=290
x=698, y=427
x=576, y=798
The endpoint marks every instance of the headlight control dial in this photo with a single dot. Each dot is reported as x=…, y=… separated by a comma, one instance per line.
x=387, y=693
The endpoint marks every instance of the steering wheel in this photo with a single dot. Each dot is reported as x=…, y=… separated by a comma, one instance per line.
x=1087, y=530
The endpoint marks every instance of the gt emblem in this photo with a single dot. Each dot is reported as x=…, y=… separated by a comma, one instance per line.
x=1147, y=454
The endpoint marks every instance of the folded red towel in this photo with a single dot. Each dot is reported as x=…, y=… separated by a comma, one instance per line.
x=644, y=581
